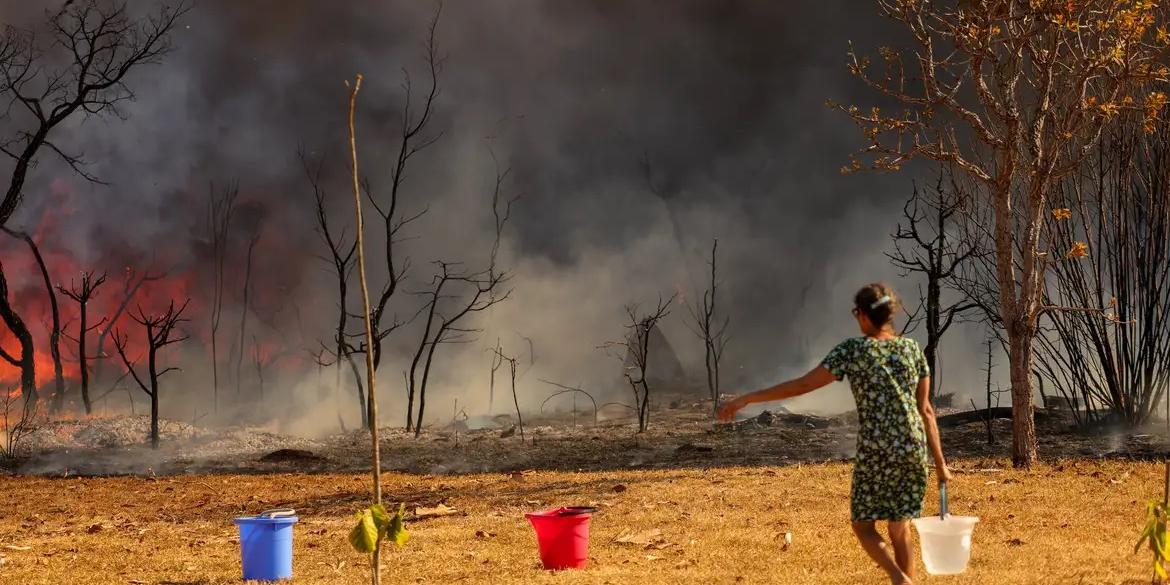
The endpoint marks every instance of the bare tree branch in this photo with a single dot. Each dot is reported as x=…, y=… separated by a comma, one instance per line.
x=100, y=44
x=160, y=332
x=636, y=358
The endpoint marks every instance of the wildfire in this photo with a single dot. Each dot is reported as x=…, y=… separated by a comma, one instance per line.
x=31, y=301
x=132, y=284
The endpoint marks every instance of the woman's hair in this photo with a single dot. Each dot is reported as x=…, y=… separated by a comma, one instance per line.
x=878, y=302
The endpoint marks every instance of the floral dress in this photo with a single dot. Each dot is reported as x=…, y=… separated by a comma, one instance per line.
x=889, y=476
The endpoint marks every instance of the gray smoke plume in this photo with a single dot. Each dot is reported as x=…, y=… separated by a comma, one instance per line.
x=726, y=100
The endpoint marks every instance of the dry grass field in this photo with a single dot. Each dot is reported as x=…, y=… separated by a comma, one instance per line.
x=1070, y=522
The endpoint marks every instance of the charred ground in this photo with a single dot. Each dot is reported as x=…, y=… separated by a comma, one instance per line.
x=680, y=436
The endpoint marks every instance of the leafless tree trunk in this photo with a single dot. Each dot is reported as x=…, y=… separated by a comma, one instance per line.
x=711, y=331
x=55, y=314
x=637, y=351
x=990, y=434
x=25, y=359
x=511, y=361
x=160, y=332
x=341, y=259
x=258, y=364
x=991, y=394
x=220, y=208
x=81, y=294
x=245, y=308
x=935, y=249
x=497, y=363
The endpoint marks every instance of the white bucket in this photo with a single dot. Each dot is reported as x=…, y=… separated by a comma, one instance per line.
x=946, y=543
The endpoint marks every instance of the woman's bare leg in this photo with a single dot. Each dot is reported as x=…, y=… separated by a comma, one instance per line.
x=903, y=552
x=873, y=544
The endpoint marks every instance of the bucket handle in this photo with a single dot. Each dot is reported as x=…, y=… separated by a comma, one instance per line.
x=942, y=500
x=277, y=513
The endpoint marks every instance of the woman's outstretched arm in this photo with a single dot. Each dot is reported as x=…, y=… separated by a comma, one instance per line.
x=817, y=378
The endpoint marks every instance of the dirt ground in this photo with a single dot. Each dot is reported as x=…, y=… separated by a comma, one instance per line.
x=92, y=504
x=1067, y=522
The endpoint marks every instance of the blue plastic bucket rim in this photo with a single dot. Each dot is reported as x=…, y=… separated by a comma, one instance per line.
x=278, y=521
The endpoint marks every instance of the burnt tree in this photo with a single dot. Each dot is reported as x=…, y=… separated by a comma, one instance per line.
x=82, y=294
x=445, y=311
x=992, y=396
x=928, y=243
x=24, y=359
x=413, y=138
x=341, y=259
x=454, y=295
x=159, y=333
x=54, y=313
x=1117, y=359
x=92, y=46
x=258, y=363
x=496, y=363
x=512, y=362
x=637, y=352
x=245, y=308
x=79, y=70
x=131, y=285
x=221, y=206
x=711, y=330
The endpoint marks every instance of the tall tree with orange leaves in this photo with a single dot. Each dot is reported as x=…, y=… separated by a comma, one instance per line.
x=1013, y=94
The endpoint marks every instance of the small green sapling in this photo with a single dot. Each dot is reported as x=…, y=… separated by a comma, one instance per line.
x=1154, y=534
x=375, y=524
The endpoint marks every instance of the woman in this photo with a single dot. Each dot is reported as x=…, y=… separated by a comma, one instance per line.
x=891, y=385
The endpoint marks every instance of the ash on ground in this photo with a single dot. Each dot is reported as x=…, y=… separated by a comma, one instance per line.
x=680, y=435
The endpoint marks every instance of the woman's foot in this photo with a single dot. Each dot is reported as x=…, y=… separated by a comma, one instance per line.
x=901, y=580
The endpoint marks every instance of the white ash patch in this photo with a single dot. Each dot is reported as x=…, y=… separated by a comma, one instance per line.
x=105, y=433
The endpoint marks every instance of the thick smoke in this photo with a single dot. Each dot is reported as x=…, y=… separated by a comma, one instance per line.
x=724, y=99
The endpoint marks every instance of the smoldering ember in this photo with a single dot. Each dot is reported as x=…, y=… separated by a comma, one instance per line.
x=632, y=292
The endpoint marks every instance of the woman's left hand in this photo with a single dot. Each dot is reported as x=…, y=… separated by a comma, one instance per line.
x=944, y=474
x=728, y=409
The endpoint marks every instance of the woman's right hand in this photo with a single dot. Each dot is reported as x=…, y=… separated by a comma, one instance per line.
x=728, y=409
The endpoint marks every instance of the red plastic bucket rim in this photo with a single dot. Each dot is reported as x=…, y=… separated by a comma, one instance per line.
x=564, y=512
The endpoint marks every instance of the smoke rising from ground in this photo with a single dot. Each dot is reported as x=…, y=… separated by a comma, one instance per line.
x=726, y=101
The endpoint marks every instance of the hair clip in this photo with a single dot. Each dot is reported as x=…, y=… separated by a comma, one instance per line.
x=880, y=302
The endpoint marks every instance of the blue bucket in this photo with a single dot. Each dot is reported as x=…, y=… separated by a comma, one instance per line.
x=266, y=545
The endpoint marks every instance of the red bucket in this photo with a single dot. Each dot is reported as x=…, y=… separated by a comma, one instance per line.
x=563, y=536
